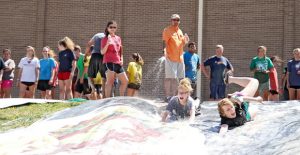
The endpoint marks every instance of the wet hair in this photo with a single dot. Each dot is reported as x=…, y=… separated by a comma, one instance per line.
x=67, y=43
x=107, y=26
x=32, y=49
x=222, y=103
x=185, y=84
x=191, y=43
x=77, y=48
x=263, y=48
x=138, y=58
x=6, y=50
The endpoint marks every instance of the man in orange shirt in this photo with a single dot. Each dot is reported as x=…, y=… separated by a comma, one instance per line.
x=174, y=64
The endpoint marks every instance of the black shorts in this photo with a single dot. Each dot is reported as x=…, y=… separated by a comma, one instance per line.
x=295, y=87
x=28, y=84
x=98, y=88
x=134, y=86
x=117, y=68
x=83, y=88
x=274, y=92
x=43, y=85
x=96, y=66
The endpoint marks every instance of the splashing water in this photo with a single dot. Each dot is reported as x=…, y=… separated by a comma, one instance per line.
x=156, y=75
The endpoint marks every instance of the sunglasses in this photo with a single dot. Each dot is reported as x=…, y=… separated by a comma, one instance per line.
x=112, y=27
x=176, y=20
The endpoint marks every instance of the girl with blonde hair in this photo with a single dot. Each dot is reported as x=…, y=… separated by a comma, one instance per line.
x=233, y=110
x=28, y=74
x=67, y=65
x=182, y=105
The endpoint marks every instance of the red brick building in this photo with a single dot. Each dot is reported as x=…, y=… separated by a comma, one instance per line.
x=239, y=25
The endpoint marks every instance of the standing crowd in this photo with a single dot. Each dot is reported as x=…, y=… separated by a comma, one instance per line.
x=92, y=74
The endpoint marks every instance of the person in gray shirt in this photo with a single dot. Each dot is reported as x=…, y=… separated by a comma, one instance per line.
x=8, y=74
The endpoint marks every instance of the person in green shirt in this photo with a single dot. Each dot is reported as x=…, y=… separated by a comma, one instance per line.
x=261, y=65
x=81, y=85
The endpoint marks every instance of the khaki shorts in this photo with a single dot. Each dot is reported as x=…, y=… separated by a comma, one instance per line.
x=174, y=70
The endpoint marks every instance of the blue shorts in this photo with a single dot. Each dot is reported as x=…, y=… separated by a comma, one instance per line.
x=217, y=91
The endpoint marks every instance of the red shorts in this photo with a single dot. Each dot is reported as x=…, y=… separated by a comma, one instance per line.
x=63, y=75
x=7, y=84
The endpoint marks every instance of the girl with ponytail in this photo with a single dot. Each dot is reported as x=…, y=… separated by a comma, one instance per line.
x=134, y=72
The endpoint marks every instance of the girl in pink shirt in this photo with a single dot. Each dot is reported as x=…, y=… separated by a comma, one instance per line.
x=111, y=48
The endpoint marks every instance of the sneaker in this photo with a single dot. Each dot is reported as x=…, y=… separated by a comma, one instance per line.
x=226, y=78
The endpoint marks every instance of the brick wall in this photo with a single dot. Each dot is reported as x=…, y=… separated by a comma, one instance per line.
x=239, y=25
x=44, y=22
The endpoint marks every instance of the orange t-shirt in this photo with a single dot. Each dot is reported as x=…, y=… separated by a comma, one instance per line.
x=175, y=42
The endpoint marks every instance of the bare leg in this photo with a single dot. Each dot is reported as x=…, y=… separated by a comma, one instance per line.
x=174, y=87
x=32, y=91
x=292, y=94
x=48, y=94
x=43, y=94
x=22, y=90
x=130, y=92
x=167, y=85
x=69, y=93
x=110, y=78
x=124, y=82
x=62, y=89
x=298, y=94
x=103, y=87
x=250, y=85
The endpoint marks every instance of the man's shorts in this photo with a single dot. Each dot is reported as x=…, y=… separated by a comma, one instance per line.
x=6, y=84
x=263, y=87
x=217, y=91
x=43, y=85
x=117, y=68
x=174, y=70
x=83, y=88
x=96, y=66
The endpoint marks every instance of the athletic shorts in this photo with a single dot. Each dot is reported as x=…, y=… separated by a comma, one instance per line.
x=117, y=68
x=96, y=66
x=174, y=70
x=295, y=87
x=274, y=92
x=134, y=86
x=43, y=85
x=263, y=87
x=63, y=75
x=6, y=84
x=98, y=88
x=83, y=88
x=28, y=84
x=217, y=91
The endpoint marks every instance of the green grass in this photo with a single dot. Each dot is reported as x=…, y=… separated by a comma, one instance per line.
x=22, y=116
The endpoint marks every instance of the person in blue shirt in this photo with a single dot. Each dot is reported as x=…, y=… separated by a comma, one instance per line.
x=47, y=72
x=293, y=76
x=218, y=65
x=192, y=65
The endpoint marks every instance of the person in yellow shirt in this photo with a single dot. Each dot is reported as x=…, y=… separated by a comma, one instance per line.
x=174, y=65
x=134, y=72
x=98, y=86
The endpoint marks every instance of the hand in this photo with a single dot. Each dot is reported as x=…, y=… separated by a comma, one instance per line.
x=121, y=63
x=266, y=71
x=298, y=72
x=109, y=40
x=186, y=38
x=50, y=82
